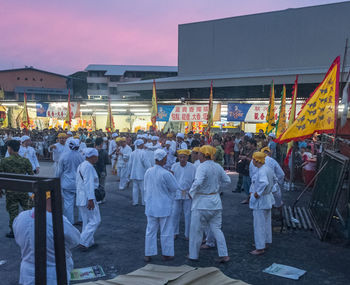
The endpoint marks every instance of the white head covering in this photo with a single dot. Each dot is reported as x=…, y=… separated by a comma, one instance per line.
x=90, y=151
x=138, y=142
x=149, y=137
x=168, y=142
x=69, y=133
x=139, y=136
x=159, y=154
x=16, y=139
x=272, y=135
x=73, y=144
x=104, y=139
x=149, y=145
x=155, y=138
x=114, y=135
x=24, y=138
x=249, y=135
x=180, y=135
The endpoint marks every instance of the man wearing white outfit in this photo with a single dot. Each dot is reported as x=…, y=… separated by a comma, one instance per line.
x=170, y=155
x=160, y=189
x=184, y=173
x=123, y=153
x=87, y=182
x=138, y=164
x=261, y=201
x=57, y=149
x=28, y=152
x=149, y=152
x=112, y=148
x=23, y=227
x=180, y=137
x=206, y=204
x=155, y=142
x=67, y=172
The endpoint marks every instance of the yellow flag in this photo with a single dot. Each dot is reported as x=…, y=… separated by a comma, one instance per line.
x=270, y=118
x=319, y=113
x=281, y=123
x=154, y=112
x=25, y=116
x=210, y=110
x=68, y=119
x=2, y=94
x=110, y=121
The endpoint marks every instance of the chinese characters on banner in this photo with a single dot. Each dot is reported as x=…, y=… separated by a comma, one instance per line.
x=57, y=110
x=187, y=113
x=253, y=113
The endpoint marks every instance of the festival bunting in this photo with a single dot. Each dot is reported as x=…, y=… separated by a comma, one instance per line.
x=154, y=111
x=210, y=110
x=25, y=116
x=281, y=123
x=319, y=113
x=110, y=121
x=270, y=119
x=68, y=120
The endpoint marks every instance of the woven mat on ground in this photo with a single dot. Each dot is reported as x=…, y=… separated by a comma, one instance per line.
x=153, y=274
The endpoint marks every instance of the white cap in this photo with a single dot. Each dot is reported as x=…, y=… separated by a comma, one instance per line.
x=149, y=137
x=180, y=135
x=73, y=144
x=139, y=136
x=168, y=142
x=16, y=138
x=149, y=145
x=114, y=135
x=138, y=142
x=272, y=135
x=24, y=138
x=90, y=151
x=249, y=135
x=155, y=138
x=159, y=154
x=104, y=138
x=69, y=133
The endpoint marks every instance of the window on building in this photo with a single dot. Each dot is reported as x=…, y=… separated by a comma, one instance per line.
x=26, y=78
x=41, y=79
x=18, y=78
x=113, y=90
x=33, y=79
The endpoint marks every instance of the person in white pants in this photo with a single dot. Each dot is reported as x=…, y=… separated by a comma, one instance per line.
x=206, y=204
x=57, y=149
x=86, y=183
x=261, y=202
x=23, y=227
x=67, y=171
x=123, y=153
x=138, y=164
x=184, y=173
x=160, y=189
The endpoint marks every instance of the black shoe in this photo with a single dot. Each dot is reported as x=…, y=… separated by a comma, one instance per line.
x=10, y=235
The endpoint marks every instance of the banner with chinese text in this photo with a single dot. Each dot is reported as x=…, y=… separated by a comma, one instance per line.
x=187, y=113
x=57, y=110
x=253, y=113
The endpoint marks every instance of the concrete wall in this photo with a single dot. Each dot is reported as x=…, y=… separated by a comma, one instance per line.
x=297, y=39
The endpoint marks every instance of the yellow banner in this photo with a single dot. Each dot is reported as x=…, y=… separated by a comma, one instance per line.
x=281, y=124
x=319, y=113
x=270, y=118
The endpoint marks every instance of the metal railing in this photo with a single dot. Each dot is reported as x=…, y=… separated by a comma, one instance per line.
x=39, y=186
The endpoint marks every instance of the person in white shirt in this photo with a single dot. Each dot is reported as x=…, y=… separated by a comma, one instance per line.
x=180, y=141
x=112, y=148
x=149, y=152
x=195, y=156
x=67, y=172
x=261, y=201
x=155, y=142
x=123, y=153
x=86, y=183
x=206, y=204
x=184, y=173
x=28, y=152
x=57, y=149
x=23, y=228
x=138, y=164
x=160, y=189
x=170, y=155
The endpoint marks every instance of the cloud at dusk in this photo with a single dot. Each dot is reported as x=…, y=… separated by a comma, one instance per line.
x=65, y=36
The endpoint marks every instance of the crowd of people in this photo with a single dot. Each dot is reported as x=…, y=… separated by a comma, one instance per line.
x=172, y=175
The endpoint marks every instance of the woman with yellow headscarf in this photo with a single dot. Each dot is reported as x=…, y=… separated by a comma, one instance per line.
x=206, y=204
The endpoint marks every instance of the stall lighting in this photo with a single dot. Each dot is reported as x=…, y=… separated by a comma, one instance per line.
x=95, y=104
x=118, y=110
x=142, y=114
x=101, y=113
x=31, y=104
x=9, y=104
x=140, y=105
x=139, y=110
x=86, y=110
x=119, y=104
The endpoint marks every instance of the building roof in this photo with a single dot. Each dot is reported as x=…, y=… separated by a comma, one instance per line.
x=121, y=69
x=32, y=69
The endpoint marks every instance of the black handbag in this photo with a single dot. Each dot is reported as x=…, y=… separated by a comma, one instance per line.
x=100, y=193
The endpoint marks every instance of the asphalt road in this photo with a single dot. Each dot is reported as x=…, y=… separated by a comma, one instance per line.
x=121, y=244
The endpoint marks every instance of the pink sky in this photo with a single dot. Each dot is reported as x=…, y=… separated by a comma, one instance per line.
x=64, y=36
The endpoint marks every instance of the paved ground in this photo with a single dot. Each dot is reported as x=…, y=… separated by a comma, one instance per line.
x=121, y=244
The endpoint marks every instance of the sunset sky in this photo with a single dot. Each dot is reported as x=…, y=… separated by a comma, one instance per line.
x=64, y=36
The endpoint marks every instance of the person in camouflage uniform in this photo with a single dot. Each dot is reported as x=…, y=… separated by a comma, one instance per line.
x=19, y=165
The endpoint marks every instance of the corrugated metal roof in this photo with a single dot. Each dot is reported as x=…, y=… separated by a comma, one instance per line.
x=121, y=69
